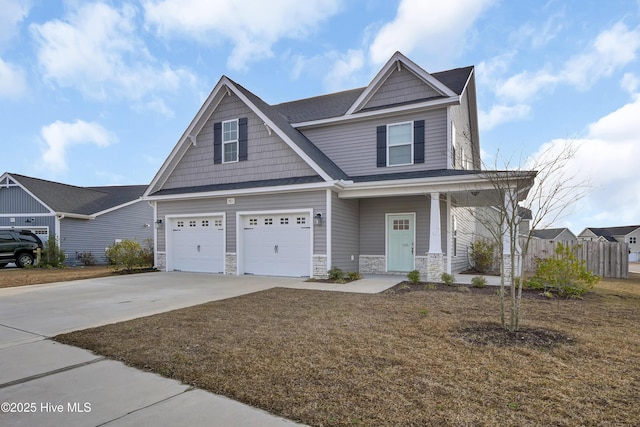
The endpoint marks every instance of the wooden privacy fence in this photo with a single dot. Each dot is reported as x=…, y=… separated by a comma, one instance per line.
x=605, y=259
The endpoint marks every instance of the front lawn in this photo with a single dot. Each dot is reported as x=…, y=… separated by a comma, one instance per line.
x=405, y=359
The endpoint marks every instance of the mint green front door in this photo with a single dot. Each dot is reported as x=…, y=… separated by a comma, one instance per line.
x=400, y=242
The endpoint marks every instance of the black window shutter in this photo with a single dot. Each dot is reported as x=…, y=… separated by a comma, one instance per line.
x=242, y=139
x=418, y=141
x=381, y=146
x=217, y=143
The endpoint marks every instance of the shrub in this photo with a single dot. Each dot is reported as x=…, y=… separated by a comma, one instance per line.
x=478, y=282
x=563, y=274
x=447, y=279
x=127, y=254
x=354, y=275
x=147, y=253
x=52, y=254
x=482, y=255
x=87, y=258
x=336, y=274
x=414, y=276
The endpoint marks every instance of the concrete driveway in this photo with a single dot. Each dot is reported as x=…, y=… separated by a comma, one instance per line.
x=44, y=383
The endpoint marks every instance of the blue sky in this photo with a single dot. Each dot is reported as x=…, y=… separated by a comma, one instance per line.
x=99, y=92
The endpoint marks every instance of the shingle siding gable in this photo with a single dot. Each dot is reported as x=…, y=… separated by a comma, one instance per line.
x=268, y=157
x=401, y=87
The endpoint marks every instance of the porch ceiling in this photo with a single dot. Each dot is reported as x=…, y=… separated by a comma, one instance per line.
x=472, y=190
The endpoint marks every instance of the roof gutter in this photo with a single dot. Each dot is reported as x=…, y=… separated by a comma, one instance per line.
x=62, y=215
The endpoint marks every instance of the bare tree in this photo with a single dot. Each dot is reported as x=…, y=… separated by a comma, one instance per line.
x=548, y=190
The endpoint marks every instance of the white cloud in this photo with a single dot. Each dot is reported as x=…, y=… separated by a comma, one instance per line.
x=338, y=71
x=611, y=50
x=60, y=136
x=13, y=12
x=436, y=28
x=96, y=50
x=607, y=158
x=502, y=113
x=12, y=81
x=630, y=82
x=251, y=26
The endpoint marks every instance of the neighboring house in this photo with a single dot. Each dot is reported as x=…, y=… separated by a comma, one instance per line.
x=379, y=179
x=83, y=219
x=627, y=234
x=555, y=235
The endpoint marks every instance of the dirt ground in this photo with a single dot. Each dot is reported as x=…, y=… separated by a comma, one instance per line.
x=12, y=277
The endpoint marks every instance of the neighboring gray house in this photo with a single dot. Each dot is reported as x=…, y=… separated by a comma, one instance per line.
x=555, y=235
x=627, y=234
x=379, y=179
x=83, y=219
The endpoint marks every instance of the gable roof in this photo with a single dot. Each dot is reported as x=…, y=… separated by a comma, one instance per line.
x=549, y=233
x=285, y=118
x=69, y=199
x=609, y=232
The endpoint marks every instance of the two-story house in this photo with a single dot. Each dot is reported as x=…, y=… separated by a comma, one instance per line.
x=629, y=234
x=379, y=179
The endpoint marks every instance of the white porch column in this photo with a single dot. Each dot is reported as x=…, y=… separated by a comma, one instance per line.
x=435, y=239
x=435, y=257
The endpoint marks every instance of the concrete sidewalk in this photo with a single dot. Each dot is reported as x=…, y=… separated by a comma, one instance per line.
x=46, y=383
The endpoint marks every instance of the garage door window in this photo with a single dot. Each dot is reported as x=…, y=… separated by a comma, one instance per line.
x=180, y=223
x=301, y=220
x=268, y=221
x=284, y=221
x=253, y=221
x=218, y=223
x=192, y=223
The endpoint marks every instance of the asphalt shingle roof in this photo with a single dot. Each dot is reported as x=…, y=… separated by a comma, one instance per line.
x=548, y=233
x=79, y=200
x=609, y=232
x=337, y=104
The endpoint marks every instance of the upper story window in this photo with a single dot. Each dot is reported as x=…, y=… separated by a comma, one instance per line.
x=400, y=144
x=230, y=141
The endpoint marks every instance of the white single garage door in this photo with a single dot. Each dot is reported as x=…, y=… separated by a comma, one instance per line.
x=277, y=245
x=197, y=244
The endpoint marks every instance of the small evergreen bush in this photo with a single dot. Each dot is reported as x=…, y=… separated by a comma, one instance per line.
x=478, y=282
x=127, y=255
x=482, y=255
x=336, y=274
x=354, y=275
x=52, y=255
x=563, y=274
x=87, y=259
x=447, y=279
x=414, y=276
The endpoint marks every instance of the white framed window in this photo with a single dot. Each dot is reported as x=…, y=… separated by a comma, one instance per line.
x=230, y=141
x=632, y=240
x=400, y=144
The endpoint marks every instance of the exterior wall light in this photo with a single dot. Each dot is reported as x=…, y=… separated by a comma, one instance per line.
x=317, y=219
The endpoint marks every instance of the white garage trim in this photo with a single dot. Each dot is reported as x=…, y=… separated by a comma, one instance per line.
x=240, y=238
x=169, y=243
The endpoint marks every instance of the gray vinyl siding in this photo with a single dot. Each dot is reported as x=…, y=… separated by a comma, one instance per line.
x=269, y=157
x=345, y=233
x=79, y=235
x=16, y=200
x=401, y=86
x=567, y=235
x=464, y=136
x=315, y=200
x=352, y=146
x=373, y=216
x=466, y=232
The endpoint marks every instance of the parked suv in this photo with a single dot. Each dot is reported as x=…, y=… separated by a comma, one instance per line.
x=19, y=247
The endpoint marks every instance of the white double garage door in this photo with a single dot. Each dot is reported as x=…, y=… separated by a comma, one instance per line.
x=270, y=244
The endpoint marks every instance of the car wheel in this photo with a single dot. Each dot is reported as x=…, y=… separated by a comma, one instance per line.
x=24, y=260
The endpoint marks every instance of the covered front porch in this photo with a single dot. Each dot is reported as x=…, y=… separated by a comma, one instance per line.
x=425, y=224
